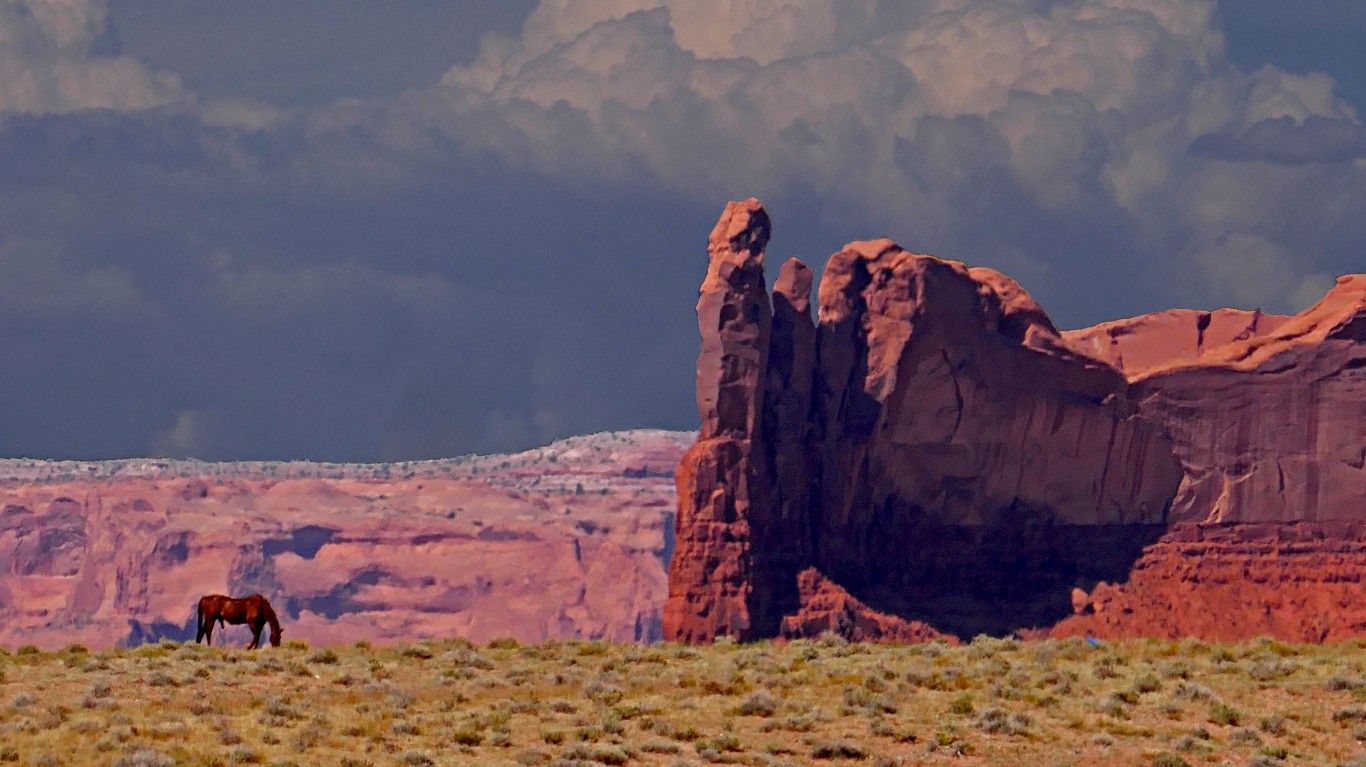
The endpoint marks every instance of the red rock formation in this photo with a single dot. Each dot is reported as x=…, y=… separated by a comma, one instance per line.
x=553, y=543
x=788, y=432
x=971, y=459
x=723, y=485
x=1298, y=582
x=1271, y=427
x=1175, y=336
x=966, y=465
x=825, y=607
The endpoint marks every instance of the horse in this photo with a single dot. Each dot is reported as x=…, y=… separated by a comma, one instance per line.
x=253, y=610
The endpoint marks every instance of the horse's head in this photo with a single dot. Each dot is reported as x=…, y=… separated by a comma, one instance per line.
x=275, y=636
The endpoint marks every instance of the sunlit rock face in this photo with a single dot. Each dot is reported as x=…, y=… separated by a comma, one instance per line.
x=567, y=541
x=932, y=449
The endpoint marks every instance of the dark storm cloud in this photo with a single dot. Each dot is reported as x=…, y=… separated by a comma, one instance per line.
x=213, y=301
x=512, y=255
x=1315, y=140
x=308, y=51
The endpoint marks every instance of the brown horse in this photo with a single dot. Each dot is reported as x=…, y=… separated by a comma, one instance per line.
x=254, y=610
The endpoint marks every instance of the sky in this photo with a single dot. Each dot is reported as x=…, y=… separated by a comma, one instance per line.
x=365, y=231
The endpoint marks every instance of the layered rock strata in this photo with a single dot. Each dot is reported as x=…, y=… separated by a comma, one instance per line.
x=567, y=541
x=936, y=451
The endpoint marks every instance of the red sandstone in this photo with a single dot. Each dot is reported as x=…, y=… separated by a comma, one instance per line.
x=963, y=466
x=563, y=542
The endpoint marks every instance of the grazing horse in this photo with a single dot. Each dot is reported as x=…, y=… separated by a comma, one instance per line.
x=254, y=610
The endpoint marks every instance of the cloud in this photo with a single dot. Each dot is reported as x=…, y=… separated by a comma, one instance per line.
x=307, y=52
x=1075, y=111
x=1285, y=141
x=512, y=255
x=1246, y=270
x=51, y=62
x=34, y=282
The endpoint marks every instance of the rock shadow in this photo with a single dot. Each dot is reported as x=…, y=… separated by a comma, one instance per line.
x=996, y=579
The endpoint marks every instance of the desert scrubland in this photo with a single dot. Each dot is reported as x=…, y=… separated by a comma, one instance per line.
x=823, y=701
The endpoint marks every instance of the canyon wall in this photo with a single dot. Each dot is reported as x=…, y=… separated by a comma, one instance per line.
x=933, y=457
x=567, y=541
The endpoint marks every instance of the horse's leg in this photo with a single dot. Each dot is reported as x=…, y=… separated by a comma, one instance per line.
x=255, y=635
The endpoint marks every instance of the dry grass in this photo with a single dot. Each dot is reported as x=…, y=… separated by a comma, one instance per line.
x=826, y=702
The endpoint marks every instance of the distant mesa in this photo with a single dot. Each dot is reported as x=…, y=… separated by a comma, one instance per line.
x=932, y=457
x=117, y=552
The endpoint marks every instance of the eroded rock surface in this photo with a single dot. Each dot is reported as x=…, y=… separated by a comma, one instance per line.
x=728, y=488
x=966, y=466
x=825, y=607
x=566, y=541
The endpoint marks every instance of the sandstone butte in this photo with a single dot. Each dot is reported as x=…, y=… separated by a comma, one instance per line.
x=568, y=541
x=932, y=458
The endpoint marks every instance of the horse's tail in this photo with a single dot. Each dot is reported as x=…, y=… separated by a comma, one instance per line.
x=199, y=621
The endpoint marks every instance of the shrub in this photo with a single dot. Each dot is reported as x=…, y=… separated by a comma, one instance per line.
x=1350, y=714
x=1341, y=683
x=761, y=703
x=467, y=736
x=1112, y=705
x=144, y=758
x=404, y=727
x=1168, y=759
x=161, y=679
x=962, y=705
x=418, y=651
x=1147, y=683
x=1223, y=714
x=324, y=657
x=604, y=693
x=993, y=720
x=720, y=743
x=1273, y=725
x=838, y=750
x=1191, y=691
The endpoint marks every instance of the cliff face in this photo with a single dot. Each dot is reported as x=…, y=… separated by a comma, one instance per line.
x=723, y=545
x=1271, y=425
x=567, y=541
x=964, y=467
